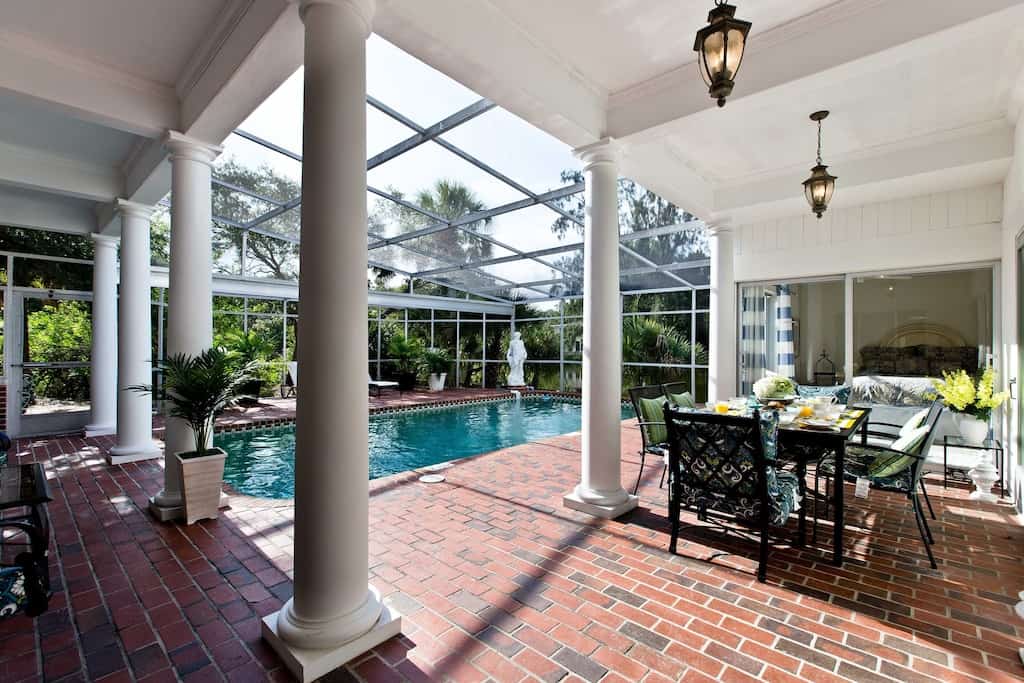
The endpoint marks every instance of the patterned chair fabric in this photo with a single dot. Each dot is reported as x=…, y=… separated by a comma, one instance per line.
x=23, y=588
x=727, y=464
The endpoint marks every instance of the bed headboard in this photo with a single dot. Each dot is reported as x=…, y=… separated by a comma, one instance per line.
x=919, y=349
x=921, y=333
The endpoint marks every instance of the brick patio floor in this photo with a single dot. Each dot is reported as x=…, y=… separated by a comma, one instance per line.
x=500, y=582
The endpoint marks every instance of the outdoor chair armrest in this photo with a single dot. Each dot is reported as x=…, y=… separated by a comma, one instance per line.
x=647, y=424
x=872, y=423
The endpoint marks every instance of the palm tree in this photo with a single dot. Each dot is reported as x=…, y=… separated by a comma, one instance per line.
x=448, y=199
x=646, y=340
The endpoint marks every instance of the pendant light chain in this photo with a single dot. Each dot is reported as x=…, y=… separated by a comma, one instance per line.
x=819, y=141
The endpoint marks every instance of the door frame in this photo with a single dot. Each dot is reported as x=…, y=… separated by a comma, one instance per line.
x=14, y=326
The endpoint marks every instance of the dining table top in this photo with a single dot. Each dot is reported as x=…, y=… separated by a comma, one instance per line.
x=844, y=426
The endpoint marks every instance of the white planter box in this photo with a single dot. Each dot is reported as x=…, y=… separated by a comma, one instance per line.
x=201, y=478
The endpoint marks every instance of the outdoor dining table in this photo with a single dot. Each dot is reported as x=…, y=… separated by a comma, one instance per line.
x=803, y=445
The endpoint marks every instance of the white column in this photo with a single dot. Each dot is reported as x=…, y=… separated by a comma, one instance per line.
x=134, y=354
x=334, y=615
x=723, y=332
x=189, y=292
x=103, y=366
x=600, y=492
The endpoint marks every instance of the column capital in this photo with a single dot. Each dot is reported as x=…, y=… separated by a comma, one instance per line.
x=101, y=240
x=183, y=147
x=361, y=9
x=135, y=209
x=719, y=226
x=604, y=151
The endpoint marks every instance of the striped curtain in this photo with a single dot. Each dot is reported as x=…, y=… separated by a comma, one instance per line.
x=753, y=326
x=785, y=357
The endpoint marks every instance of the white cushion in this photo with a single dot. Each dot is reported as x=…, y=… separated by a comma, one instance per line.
x=915, y=421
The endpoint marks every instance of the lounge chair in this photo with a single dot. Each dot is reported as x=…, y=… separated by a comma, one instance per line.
x=377, y=385
x=291, y=379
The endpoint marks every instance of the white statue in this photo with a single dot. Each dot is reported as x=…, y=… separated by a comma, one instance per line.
x=516, y=357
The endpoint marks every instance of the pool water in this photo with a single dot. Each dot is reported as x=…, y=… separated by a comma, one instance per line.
x=262, y=462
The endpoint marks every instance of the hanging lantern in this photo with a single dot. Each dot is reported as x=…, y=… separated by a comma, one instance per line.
x=719, y=47
x=821, y=185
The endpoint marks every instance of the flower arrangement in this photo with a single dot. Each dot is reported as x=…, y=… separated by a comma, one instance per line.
x=962, y=394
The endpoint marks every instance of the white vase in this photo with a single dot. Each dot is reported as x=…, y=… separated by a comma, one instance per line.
x=973, y=430
x=436, y=381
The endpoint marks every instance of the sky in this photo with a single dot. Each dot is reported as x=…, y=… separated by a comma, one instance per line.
x=522, y=152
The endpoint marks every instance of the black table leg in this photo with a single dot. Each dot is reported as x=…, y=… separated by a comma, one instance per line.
x=839, y=508
x=801, y=473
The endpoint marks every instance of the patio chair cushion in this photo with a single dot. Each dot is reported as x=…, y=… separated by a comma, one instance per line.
x=916, y=420
x=886, y=465
x=883, y=468
x=841, y=392
x=729, y=488
x=653, y=410
x=683, y=400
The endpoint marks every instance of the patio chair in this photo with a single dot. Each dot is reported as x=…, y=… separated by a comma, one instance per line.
x=897, y=467
x=723, y=466
x=677, y=394
x=649, y=405
x=24, y=541
x=291, y=379
x=377, y=385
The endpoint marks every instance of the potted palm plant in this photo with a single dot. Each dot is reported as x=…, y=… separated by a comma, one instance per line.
x=406, y=354
x=435, y=363
x=249, y=348
x=198, y=388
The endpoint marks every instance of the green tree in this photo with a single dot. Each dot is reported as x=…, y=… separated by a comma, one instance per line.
x=639, y=210
x=448, y=199
x=59, y=333
x=266, y=256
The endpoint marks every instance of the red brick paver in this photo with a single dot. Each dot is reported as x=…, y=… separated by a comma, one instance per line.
x=500, y=582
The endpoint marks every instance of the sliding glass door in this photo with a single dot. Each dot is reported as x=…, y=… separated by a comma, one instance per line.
x=793, y=328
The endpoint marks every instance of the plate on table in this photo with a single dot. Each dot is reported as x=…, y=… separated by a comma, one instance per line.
x=818, y=424
x=781, y=400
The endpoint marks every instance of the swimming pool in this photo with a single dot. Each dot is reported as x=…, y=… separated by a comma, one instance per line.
x=262, y=462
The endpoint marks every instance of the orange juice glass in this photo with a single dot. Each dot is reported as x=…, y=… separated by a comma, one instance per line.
x=806, y=411
x=722, y=407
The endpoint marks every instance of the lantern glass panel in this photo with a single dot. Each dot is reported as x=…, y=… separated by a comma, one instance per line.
x=714, y=55
x=734, y=53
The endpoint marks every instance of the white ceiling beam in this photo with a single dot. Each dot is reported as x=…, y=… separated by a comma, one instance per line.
x=934, y=163
x=32, y=169
x=850, y=34
x=24, y=209
x=88, y=91
x=254, y=48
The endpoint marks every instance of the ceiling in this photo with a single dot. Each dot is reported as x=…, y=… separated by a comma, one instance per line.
x=31, y=124
x=946, y=88
x=149, y=40
x=615, y=44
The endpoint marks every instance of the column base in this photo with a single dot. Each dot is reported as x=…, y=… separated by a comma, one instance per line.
x=99, y=430
x=119, y=455
x=573, y=501
x=307, y=665
x=170, y=511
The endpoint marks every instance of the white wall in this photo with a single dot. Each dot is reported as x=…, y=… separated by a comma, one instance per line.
x=940, y=229
x=1013, y=224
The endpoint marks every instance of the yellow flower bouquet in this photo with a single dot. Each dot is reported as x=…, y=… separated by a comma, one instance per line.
x=962, y=394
